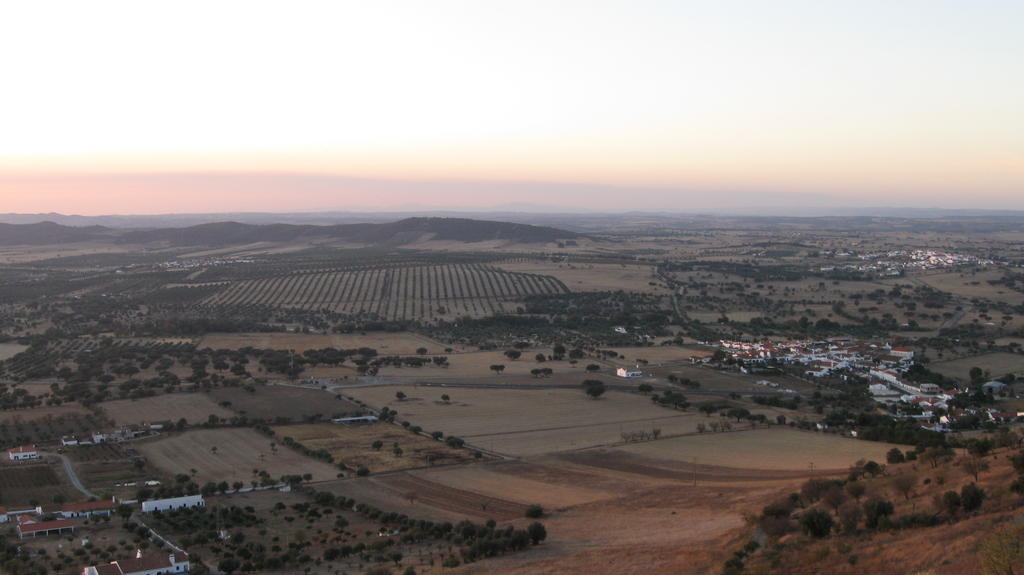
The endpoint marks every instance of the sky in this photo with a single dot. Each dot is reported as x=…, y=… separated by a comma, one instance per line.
x=172, y=107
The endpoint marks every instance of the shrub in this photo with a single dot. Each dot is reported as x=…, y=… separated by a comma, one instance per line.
x=534, y=512
x=816, y=522
x=971, y=497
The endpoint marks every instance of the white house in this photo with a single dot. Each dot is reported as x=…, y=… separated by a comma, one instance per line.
x=23, y=452
x=623, y=372
x=83, y=509
x=186, y=502
x=69, y=441
x=176, y=562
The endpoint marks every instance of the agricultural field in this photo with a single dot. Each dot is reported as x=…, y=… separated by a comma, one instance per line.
x=194, y=407
x=997, y=364
x=592, y=276
x=422, y=292
x=973, y=284
x=9, y=350
x=229, y=454
x=352, y=445
x=21, y=484
x=386, y=343
x=629, y=356
x=770, y=449
x=108, y=470
x=529, y=422
x=47, y=424
x=283, y=403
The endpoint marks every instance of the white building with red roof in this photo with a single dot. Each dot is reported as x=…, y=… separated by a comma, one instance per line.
x=157, y=564
x=30, y=527
x=23, y=452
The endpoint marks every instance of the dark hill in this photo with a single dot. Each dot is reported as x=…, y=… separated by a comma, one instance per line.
x=49, y=233
x=392, y=233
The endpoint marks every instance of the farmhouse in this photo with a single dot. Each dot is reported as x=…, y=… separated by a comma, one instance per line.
x=84, y=509
x=23, y=452
x=28, y=526
x=186, y=502
x=176, y=562
x=623, y=372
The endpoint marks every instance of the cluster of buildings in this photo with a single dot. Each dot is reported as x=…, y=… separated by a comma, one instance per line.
x=821, y=358
x=884, y=365
x=119, y=435
x=55, y=519
x=893, y=263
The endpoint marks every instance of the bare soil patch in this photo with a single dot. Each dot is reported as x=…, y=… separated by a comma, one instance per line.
x=352, y=445
x=998, y=364
x=194, y=407
x=772, y=448
x=529, y=422
x=238, y=452
x=284, y=403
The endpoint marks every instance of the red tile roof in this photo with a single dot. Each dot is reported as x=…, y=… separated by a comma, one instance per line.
x=22, y=449
x=45, y=525
x=89, y=506
x=141, y=564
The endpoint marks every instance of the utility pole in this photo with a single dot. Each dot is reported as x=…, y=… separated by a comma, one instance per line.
x=695, y=472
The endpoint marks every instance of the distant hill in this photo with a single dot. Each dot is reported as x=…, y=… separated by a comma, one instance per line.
x=49, y=233
x=233, y=233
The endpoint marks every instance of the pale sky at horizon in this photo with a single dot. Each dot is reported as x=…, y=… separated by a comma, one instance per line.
x=127, y=107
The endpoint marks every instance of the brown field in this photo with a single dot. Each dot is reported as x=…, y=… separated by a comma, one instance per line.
x=529, y=422
x=9, y=350
x=271, y=402
x=351, y=445
x=386, y=343
x=239, y=451
x=593, y=277
x=43, y=412
x=771, y=448
x=998, y=364
x=974, y=285
x=21, y=483
x=628, y=356
x=194, y=407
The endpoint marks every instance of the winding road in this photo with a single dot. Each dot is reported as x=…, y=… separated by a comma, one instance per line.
x=69, y=469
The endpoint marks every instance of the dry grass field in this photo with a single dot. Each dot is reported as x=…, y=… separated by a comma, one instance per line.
x=238, y=452
x=771, y=448
x=386, y=343
x=9, y=350
x=194, y=407
x=273, y=402
x=628, y=356
x=974, y=285
x=998, y=364
x=593, y=277
x=529, y=422
x=352, y=445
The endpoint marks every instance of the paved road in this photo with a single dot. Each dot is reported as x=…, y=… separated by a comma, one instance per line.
x=69, y=469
